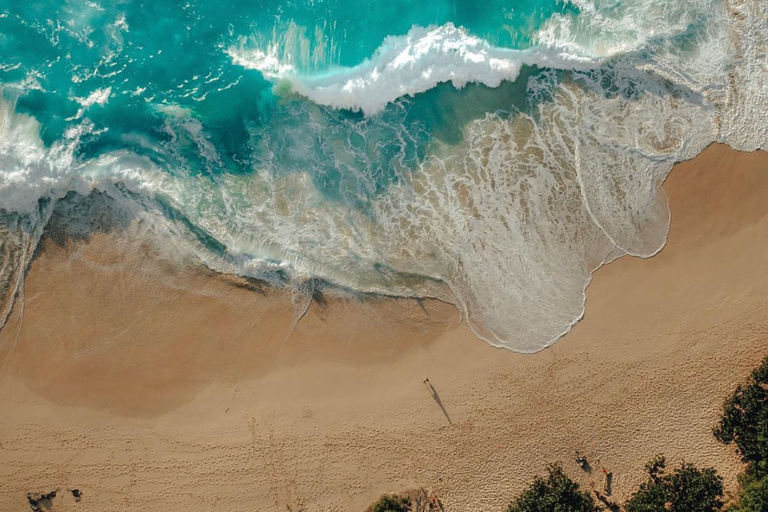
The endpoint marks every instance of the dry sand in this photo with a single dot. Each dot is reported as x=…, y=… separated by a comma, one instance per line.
x=150, y=386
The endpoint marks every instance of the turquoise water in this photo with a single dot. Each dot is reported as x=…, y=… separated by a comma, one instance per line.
x=492, y=154
x=168, y=52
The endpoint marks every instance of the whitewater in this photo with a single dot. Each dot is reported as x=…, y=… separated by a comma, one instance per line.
x=493, y=158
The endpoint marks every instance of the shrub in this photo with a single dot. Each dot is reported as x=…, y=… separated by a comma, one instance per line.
x=687, y=489
x=753, y=496
x=556, y=493
x=391, y=503
x=745, y=421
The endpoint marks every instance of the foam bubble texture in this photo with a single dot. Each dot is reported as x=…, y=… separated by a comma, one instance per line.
x=411, y=64
x=508, y=219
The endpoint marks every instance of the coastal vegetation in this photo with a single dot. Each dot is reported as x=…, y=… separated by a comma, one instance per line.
x=686, y=488
x=391, y=503
x=753, y=495
x=415, y=500
x=744, y=423
x=556, y=492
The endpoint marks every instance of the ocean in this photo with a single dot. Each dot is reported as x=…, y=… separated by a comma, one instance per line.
x=490, y=154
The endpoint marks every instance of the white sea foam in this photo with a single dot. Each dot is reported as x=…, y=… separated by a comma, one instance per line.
x=288, y=49
x=517, y=217
x=512, y=220
x=409, y=65
x=30, y=170
x=97, y=97
x=607, y=27
x=266, y=61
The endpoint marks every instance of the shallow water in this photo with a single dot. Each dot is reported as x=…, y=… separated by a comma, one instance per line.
x=493, y=155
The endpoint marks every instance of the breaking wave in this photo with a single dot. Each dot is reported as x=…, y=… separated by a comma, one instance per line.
x=409, y=65
x=444, y=165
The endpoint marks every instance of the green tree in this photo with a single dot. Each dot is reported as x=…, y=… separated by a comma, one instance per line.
x=391, y=503
x=753, y=496
x=745, y=421
x=555, y=493
x=686, y=489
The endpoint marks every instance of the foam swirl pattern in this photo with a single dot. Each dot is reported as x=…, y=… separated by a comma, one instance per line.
x=493, y=159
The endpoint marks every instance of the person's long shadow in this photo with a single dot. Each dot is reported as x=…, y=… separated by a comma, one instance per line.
x=436, y=398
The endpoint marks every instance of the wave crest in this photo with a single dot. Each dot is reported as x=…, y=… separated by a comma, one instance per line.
x=408, y=65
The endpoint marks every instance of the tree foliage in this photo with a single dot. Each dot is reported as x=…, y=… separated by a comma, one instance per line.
x=686, y=489
x=555, y=493
x=753, y=495
x=745, y=421
x=390, y=503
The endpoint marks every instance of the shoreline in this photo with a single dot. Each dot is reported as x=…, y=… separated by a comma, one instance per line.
x=146, y=384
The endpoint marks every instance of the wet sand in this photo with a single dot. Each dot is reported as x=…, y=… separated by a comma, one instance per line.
x=154, y=386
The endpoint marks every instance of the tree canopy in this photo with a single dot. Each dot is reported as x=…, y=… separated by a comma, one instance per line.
x=745, y=421
x=555, y=493
x=390, y=503
x=686, y=489
x=753, y=495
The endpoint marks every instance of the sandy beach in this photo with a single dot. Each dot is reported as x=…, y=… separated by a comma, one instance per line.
x=154, y=386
